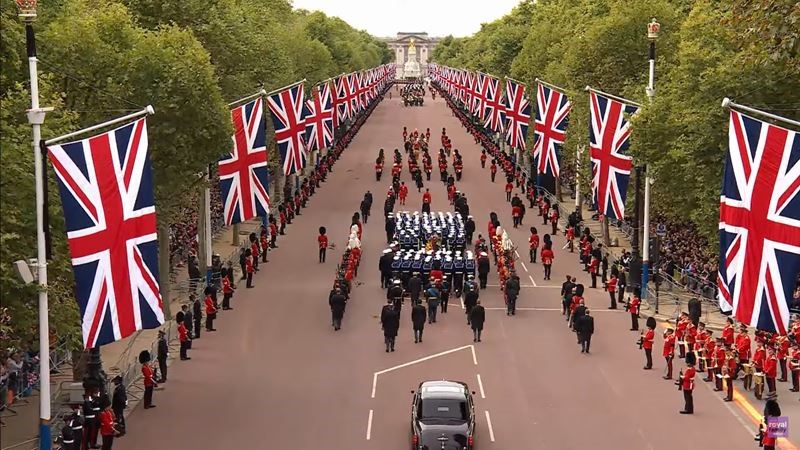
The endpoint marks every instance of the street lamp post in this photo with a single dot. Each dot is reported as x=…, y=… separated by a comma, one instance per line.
x=27, y=12
x=652, y=35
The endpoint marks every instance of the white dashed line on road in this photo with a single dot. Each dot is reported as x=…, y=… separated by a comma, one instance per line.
x=531, y=277
x=480, y=386
x=369, y=425
x=524, y=266
x=489, y=424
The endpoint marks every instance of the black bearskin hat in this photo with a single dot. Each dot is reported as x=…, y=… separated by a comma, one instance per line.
x=691, y=359
x=144, y=356
x=322, y=230
x=579, y=290
x=651, y=323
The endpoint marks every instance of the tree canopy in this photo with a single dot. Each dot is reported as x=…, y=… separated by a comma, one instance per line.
x=706, y=51
x=101, y=59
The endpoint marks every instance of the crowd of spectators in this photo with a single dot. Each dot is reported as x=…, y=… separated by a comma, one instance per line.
x=183, y=234
x=19, y=373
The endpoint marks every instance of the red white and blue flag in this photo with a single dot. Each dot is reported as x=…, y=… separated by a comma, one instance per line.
x=609, y=131
x=319, y=118
x=107, y=194
x=550, y=128
x=517, y=114
x=494, y=106
x=243, y=175
x=470, y=90
x=290, y=127
x=343, y=98
x=759, y=223
x=480, y=96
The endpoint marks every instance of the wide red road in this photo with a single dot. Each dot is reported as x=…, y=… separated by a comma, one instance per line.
x=276, y=375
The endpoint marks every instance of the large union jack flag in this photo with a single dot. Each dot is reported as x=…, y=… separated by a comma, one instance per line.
x=550, y=128
x=759, y=223
x=342, y=99
x=243, y=175
x=494, y=106
x=609, y=131
x=319, y=118
x=107, y=194
x=290, y=127
x=517, y=114
x=480, y=95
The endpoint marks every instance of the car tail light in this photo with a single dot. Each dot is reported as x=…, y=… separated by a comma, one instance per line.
x=414, y=439
x=469, y=441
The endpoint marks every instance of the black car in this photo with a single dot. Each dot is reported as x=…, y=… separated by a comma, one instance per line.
x=442, y=416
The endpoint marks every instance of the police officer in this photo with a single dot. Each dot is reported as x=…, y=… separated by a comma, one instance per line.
x=119, y=402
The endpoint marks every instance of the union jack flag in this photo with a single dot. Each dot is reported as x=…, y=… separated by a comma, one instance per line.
x=319, y=118
x=480, y=96
x=470, y=90
x=550, y=128
x=517, y=114
x=609, y=131
x=107, y=194
x=290, y=127
x=243, y=175
x=759, y=223
x=358, y=90
x=342, y=100
x=494, y=106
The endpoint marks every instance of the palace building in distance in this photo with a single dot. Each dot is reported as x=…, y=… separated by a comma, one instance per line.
x=412, y=51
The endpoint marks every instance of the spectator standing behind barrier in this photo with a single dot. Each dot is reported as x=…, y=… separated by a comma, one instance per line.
x=161, y=356
x=585, y=327
x=119, y=402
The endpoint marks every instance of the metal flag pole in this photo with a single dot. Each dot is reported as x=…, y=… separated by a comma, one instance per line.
x=612, y=96
x=652, y=35
x=551, y=86
x=148, y=110
x=728, y=103
x=260, y=93
x=288, y=86
x=27, y=12
x=579, y=153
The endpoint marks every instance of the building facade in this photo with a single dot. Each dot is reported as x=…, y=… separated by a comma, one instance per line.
x=423, y=43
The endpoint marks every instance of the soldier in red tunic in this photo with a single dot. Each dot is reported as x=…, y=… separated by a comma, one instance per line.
x=483, y=159
x=493, y=170
x=668, y=351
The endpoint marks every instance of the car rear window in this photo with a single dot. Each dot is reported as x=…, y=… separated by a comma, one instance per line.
x=443, y=409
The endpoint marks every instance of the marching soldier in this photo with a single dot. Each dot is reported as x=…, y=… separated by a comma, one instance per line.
x=415, y=287
x=390, y=322
x=483, y=159
x=476, y=318
x=483, y=269
x=668, y=351
x=395, y=295
x=337, y=302
x=378, y=169
x=493, y=170
x=426, y=201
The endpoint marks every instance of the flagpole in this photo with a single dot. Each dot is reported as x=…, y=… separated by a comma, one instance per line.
x=36, y=117
x=612, y=96
x=728, y=103
x=260, y=93
x=289, y=86
x=652, y=34
x=515, y=81
x=551, y=86
x=145, y=112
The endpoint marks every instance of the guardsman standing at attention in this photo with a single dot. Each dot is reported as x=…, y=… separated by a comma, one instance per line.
x=493, y=170
x=227, y=293
x=378, y=169
x=426, y=201
x=668, y=351
x=686, y=384
x=771, y=370
x=743, y=347
x=249, y=267
x=533, y=243
x=322, y=241
x=648, y=338
x=509, y=189
x=483, y=159
x=633, y=309
x=211, y=313
x=794, y=366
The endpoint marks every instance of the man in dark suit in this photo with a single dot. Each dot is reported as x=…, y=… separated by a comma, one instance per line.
x=580, y=310
x=418, y=316
x=476, y=318
x=390, y=321
x=566, y=295
x=118, y=404
x=188, y=321
x=585, y=327
x=695, y=310
x=415, y=287
x=337, y=304
x=161, y=355
x=385, y=267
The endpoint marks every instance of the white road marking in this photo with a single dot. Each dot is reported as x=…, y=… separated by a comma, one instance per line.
x=524, y=266
x=417, y=361
x=462, y=301
x=548, y=309
x=527, y=286
x=480, y=385
x=369, y=425
x=533, y=282
x=517, y=253
x=489, y=424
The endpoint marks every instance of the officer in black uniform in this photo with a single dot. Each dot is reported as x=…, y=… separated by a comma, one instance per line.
x=90, y=423
x=415, y=287
x=119, y=402
x=385, y=267
x=483, y=269
x=395, y=295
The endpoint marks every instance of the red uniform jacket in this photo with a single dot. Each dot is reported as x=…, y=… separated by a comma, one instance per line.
x=147, y=374
x=743, y=346
x=534, y=241
x=688, y=379
x=403, y=191
x=226, y=286
x=516, y=211
x=758, y=358
x=183, y=332
x=771, y=367
x=273, y=229
x=594, y=265
x=282, y=218
x=509, y=187
x=633, y=306
x=612, y=285
x=248, y=264
x=106, y=418
x=254, y=250
x=379, y=167
x=493, y=168
x=727, y=334
x=210, y=308
x=669, y=346
x=649, y=337
x=483, y=157
x=323, y=241
x=426, y=198
x=547, y=256
x=719, y=355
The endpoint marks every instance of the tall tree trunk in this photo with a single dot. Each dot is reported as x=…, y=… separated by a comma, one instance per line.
x=606, y=234
x=164, y=267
